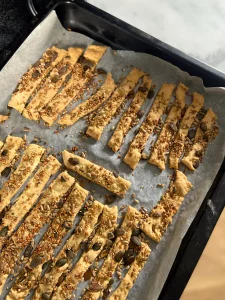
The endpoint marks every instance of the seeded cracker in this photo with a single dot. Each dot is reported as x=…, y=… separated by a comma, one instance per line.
x=107, y=225
x=133, y=155
x=70, y=249
x=28, y=198
x=62, y=222
x=188, y=119
x=80, y=75
x=99, y=122
x=3, y=119
x=97, y=174
x=203, y=137
x=115, y=255
x=125, y=123
x=162, y=214
x=169, y=129
x=102, y=95
x=27, y=165
x=31, y=80
x=52, y=84
x=128, y=281
x=34, y=222
x=9, y=151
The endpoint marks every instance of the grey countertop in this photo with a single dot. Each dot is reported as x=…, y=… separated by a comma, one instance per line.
x=194, y=27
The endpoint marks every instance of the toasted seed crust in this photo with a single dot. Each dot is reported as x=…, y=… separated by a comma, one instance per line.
x=102, y=95
x=97, y=174
x=160, y=103
x=99, y=122
x=129, y=116
x=162, y=214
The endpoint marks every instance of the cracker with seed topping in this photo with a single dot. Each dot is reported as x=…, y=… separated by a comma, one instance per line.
x=28, y=198
x=121, y=244
x=205, y=133
x=82, y=72
x=9, y=151
x=52, y=84
x=3, y=119
x=107, y=179
x=129, y=279
x=169, y=129
x=189, y=117
x=109, y=217
x=62, y=222
x=27, y=165
x=125, y=123
x=94, y=102
x=101, y=120
x=162, y=214
x=32, y=79
x=69, y=250
x=160, y=103
x=39, y=216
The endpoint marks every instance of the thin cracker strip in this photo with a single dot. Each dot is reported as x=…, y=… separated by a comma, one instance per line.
x=96, y=173
x=129, y=279
x=162, y=214
x=32, y=79
x=161, y=101
x=1, y=144
x=188, y=119
x=28, y=198
x=111, y=262
x=62, y=222
x=100, y=121
x=70, y=249
x=168, y=131
x=27, y=165
x=95, y=101
x=3, y=119
x=107, y=225
x=125, y=123
x=204, y=135
x=34, y=222
x=80, y=75
x=9, y=151
x=52, y=84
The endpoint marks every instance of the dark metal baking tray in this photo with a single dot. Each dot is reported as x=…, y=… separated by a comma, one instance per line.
x=82, y=17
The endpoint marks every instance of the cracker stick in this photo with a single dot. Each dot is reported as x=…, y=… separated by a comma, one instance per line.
x=115, y=255
x=109, y=180
x=109, y=217
x=9, y=151
x=62, y=222
x=159, y=105
x=52, y=84
x=32, y=79
x=69, y=251
x=128, y=281
x=188, y=119
x=80, y=75
x=34, y=222
x=204, y=135
x=28, y=198
x=102, y=95
x=166, y=135
x=125, y=123
x=3, y=119
x=162, y=214
x=99, y=122
x=1, y=144
x=27, y=165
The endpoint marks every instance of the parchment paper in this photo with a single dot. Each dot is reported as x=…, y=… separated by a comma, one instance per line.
x=146, y=177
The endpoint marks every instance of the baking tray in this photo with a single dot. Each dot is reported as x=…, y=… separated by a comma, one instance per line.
x=82, y=17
